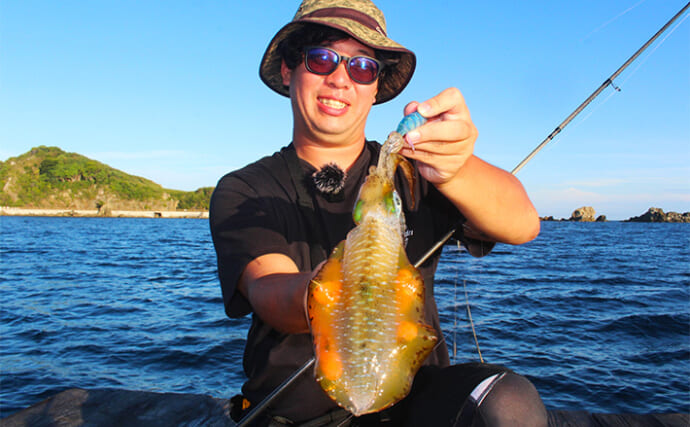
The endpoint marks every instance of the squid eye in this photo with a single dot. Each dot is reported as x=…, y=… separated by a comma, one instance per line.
x=357, y=212
x=398, y=202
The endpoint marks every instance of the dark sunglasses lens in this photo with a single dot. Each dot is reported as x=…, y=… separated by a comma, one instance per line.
x=363, y=69
x=321, y=61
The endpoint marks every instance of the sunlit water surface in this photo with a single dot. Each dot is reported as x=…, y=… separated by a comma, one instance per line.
x=597, y=315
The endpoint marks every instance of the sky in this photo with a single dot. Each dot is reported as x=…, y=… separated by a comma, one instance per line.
x=170, y=90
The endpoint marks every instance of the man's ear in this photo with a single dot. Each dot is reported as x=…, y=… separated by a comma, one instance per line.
x=286, y=73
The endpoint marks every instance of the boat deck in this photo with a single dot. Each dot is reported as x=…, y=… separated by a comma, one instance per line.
x=112, y=407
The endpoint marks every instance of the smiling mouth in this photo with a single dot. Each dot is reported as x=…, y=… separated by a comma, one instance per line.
x=333, y=103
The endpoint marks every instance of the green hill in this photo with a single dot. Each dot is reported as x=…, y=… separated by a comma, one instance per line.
x=48, y=177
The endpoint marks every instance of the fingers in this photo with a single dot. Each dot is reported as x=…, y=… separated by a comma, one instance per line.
x=441, y=131
x=446, y=140
x=448, y=115
x=411, y=107
x=449, y=104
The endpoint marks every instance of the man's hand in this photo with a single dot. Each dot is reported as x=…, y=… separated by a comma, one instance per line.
x=446, y=141
x=493, y=200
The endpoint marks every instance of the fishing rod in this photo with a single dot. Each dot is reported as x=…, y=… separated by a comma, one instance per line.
x=572, y=115
x=607, y=82
x=257, y=410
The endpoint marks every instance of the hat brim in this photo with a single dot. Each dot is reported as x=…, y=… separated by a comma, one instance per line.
x=391, y=83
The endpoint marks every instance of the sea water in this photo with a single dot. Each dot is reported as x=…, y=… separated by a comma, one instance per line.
x=597, y=315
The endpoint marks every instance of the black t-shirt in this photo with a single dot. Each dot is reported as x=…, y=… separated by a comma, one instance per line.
x=255, y=211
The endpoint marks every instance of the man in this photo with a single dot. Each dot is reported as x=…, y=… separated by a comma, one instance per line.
x=272, y=225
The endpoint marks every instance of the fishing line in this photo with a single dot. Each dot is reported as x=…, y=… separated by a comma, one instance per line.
x=651, y=52
x=613, y=19
x=455, y=309
x=469, y=313
x=592, y=110
x=342, y=423
x=618, y=88
x=608, y=82
x=596, y=93
x=469, y=316
x=455, y=316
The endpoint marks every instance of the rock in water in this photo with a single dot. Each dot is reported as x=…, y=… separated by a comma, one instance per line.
x=583, y=214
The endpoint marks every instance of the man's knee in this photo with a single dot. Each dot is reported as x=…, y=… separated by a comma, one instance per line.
x=513, y=401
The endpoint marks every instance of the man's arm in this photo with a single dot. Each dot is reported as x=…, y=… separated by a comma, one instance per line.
x=493, y=200
x=276, y=291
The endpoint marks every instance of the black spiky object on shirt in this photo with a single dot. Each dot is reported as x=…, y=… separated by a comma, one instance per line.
x=329, y=180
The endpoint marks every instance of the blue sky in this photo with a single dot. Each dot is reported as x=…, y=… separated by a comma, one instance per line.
x=170, y=90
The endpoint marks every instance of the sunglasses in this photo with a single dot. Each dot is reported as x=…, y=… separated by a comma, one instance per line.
x=323, y=61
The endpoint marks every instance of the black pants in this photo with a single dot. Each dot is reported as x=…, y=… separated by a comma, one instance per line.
x=440, y=395
x=437, y=395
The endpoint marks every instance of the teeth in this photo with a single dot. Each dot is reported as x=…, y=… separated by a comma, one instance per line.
x=332, y=103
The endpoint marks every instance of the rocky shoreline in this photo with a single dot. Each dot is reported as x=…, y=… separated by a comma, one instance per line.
x=101, y=213
x=583, y=214
x=588, y=214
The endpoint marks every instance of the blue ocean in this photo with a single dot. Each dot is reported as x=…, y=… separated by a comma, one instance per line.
x=597, y=315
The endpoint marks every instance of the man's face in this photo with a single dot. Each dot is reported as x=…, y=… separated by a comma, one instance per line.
x=331, y=109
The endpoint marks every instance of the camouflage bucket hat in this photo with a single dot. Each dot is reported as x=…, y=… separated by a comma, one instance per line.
x=361, y=20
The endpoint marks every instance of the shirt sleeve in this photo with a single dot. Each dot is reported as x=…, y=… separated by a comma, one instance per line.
x=449, y=217
x=475, y=247
x=243, y=227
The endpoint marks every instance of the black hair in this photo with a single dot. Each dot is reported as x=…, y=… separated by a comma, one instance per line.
x=291, y=49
